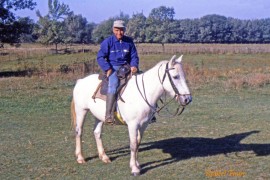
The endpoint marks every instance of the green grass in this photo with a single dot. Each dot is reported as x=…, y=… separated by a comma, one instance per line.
x=223, y=130
x=50, y=62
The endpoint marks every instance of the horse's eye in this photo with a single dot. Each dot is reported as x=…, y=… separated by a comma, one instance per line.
x=176, y=77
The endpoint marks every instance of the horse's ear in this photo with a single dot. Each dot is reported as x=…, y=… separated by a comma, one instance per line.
x=172, y=61
x=179, y=59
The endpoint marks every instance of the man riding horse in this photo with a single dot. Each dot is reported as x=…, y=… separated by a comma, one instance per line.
x=116, y=51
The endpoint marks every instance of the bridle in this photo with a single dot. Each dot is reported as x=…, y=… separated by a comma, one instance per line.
x=177, y=94
x=170, y=79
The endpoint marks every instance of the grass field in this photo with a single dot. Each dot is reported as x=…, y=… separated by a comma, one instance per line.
x=224, y=133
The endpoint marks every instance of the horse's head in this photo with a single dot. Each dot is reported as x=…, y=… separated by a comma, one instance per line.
x=174, y=81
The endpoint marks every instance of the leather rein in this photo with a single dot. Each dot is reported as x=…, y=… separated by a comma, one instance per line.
x=177, y=94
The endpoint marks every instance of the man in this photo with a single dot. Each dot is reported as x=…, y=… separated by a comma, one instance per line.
x=114, y=52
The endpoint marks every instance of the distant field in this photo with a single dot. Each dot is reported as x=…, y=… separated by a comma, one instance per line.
x=28, y=51
x=224, y=133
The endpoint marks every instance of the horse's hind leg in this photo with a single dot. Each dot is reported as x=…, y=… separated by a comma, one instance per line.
x=97, y=132
x=80, y=116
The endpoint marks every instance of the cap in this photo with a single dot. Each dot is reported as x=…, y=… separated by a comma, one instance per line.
x=119, y=24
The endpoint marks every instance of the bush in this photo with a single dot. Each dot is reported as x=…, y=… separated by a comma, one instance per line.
x=64, y=68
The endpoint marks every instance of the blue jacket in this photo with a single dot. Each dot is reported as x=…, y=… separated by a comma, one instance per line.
x=115, y=53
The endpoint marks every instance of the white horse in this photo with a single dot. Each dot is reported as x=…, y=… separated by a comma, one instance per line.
x=140, y=96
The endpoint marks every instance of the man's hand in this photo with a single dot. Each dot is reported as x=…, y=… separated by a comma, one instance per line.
x=109, y=72
x=133, y=70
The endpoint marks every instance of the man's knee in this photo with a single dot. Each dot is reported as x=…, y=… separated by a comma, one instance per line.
x=113, y=83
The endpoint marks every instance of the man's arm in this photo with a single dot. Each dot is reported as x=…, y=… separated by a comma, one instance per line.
x=103, y=55
x=134, y=61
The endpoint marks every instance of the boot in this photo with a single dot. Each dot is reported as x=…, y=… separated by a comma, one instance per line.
x=109, y=119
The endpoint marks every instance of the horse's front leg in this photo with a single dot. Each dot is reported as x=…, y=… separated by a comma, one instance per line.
x=97, y=132
x=133, y=136
x=139, y=139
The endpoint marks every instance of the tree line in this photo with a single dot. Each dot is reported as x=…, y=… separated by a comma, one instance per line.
x=61, y=26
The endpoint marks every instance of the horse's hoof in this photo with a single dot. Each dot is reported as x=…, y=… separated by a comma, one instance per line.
x=136, y=174
x=106, y=161
x=104, y=158
x=80, y=161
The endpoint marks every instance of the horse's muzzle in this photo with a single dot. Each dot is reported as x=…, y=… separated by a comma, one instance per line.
x=184, y=99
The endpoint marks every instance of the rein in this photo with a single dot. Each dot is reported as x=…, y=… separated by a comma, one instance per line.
x=144, y=96
x=177, y=94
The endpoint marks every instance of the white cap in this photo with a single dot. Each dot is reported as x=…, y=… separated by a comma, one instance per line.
x=119, y=24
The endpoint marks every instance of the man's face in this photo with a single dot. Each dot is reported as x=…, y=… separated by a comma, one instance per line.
x=118, y=32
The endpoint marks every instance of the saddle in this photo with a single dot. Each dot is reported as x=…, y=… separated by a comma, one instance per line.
x=124, y=75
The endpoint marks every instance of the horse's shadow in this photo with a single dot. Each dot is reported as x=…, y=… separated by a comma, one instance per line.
x=190, y=147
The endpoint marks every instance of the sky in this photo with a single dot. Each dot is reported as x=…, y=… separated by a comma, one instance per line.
x=99, y=10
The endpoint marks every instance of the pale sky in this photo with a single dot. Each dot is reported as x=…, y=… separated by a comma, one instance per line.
x=99, y=10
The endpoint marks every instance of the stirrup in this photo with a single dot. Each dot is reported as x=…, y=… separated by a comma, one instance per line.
x=153, y=120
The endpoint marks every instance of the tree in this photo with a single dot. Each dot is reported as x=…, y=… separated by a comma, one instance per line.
x=162, y=13
x=51, y=28
x=103, y=30
x=266, y=30
x=188, y=31
x=136, y=27
x=157, y=30
x=11, y=27
x=79, y=31
x=26, y=26
x=255, y=31
x=213, y=28
x=239, y=30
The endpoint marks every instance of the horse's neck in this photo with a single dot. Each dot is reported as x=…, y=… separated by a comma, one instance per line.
x=152, y=83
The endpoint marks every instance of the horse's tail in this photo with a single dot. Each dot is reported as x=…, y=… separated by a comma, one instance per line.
x=73, y=114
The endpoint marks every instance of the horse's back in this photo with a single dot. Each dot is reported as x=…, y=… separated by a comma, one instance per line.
x=88, y=81
x=85, y=88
